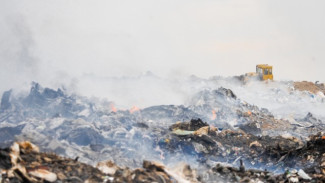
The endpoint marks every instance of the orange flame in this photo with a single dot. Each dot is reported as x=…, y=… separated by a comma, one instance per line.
x=113, y=108
x=134, y=109
x=249, y=113
x=214, y=115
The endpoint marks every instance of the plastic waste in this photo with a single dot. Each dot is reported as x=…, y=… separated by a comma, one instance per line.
x=182, y=132
x=303, y=175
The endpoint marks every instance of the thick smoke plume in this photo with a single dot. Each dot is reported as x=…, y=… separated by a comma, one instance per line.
x=62, y=43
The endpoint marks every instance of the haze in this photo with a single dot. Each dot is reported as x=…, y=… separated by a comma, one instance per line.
x=62, y=41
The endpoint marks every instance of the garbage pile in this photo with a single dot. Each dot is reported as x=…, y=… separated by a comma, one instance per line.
x=23, y=162
x=310, y=158
x=212, y=145
x=216, y=134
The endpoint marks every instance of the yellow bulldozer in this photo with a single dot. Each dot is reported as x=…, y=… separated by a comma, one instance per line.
x=263, y=72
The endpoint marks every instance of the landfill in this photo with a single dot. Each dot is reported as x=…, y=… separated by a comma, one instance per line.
x=221, y=134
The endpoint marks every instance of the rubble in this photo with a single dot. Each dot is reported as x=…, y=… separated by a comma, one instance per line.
x=310, y=87
x=24, y=163
x=34, y=166
x=217, y=135
x=193, y=125
x=272, y=153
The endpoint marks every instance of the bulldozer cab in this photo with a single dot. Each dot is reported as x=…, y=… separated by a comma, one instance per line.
x=264, y=71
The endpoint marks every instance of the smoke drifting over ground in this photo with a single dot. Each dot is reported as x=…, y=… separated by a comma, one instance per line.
x=105, y=49
x=61, y=42
x=148, y=90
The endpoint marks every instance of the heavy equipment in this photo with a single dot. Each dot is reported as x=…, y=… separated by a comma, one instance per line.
x=264, y=72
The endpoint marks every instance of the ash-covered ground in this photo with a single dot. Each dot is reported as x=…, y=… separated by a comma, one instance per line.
x=224, y=129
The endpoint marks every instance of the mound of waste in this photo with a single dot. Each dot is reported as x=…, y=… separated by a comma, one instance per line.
x=219, y=136
x=275, y=153
x=23, y=162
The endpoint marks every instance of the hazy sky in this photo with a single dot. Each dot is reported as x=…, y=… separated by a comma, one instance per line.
x=50, y=41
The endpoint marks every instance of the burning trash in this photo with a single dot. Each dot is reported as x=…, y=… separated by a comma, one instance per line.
x=50, y=136
x=24, y=163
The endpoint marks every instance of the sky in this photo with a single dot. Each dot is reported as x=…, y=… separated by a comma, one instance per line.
x=62, y=41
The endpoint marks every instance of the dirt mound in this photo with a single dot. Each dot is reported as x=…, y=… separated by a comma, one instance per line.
x=309, y=86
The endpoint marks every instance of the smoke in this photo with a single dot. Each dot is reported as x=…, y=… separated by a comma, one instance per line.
x=18, y=61
x=146, y=53
x=279, y=97
x=103, y=48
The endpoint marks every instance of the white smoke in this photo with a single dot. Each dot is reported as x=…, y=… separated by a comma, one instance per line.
x=102, y=48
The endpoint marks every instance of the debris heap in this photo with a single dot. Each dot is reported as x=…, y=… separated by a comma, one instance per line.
x=310, y=86
x=215, y=137
x=23, y=162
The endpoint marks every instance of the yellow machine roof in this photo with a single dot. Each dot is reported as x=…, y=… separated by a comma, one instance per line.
x=264, y=66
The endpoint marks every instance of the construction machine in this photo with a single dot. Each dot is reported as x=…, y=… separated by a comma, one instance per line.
x=264, y=72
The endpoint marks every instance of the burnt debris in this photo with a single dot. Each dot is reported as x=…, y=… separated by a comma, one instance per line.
x=23, y=162
x=220, y=137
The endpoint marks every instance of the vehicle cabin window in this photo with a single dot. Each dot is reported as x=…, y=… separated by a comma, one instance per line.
x=265, y=71
x=259, y=71
x=270, y=71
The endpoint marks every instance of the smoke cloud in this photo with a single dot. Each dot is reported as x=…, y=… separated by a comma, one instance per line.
x=83, y=45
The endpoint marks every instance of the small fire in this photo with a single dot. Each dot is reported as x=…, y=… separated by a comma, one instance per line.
x=113, y=108
x=214, y=115
x=134, y=109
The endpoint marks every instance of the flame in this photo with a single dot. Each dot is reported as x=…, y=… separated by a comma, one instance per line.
x=249, y=113
x=134, y=109
x=113, y=108
x=214, y=115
